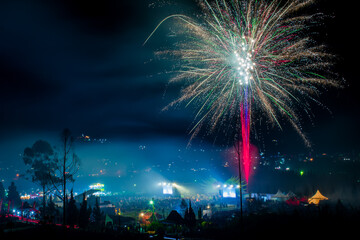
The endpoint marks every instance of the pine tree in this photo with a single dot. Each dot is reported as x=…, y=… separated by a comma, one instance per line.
x=97, y=213
x=14, y=196
x=199, y=213
x=190, y=217
x=2, y=197
x=72, y=214
x=183, y=207
x=2, y=191
x=84, y=214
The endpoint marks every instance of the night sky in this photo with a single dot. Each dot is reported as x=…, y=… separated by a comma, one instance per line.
x=81, y=65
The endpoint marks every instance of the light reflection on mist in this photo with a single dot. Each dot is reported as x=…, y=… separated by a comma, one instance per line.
x=126, y=166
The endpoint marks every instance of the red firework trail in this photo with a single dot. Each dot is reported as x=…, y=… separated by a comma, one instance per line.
x=245, y=135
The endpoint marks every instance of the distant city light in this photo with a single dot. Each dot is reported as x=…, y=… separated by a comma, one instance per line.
x=25, y=197
x=99, y=186
x=96, y=186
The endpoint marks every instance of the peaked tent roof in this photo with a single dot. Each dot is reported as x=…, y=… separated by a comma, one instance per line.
x=291, y=194
x=174, y=217
x=317, y=198
x=279, y=194
x=108, y=219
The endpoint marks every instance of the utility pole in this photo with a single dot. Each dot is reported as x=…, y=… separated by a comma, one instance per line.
x=64, y=182
x=237, y=148
x=153, y=208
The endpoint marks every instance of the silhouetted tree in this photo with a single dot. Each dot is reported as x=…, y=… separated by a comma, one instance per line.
x=51, y=208
x=2, y=197
x=2, y=191
x=183, y=207
x=97, y=213
x=183, y=204
x=67, y=165
x=14, y=196
x=199, y=213
x=190, y=217
x=40, y=159
x=84, y=215
x=72, y=216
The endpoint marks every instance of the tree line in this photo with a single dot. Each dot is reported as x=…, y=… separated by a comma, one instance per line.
x=52, y=168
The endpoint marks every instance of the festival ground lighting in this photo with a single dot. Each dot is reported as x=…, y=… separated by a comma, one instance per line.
x=228, y=190
x=168, y=188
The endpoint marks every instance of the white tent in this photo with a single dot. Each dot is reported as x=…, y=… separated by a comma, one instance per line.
x=291, y=194
x=279, y=196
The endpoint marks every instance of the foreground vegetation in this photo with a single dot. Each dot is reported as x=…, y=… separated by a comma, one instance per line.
x=322, y=221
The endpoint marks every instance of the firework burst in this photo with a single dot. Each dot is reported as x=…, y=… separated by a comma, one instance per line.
x=248, y=60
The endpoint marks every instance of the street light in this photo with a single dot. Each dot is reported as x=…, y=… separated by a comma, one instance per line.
x=141, y=216
x=153, y=207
